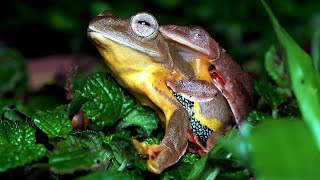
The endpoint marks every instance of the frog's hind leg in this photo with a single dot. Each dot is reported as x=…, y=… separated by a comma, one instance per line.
x=199, y=149
x=171, y=148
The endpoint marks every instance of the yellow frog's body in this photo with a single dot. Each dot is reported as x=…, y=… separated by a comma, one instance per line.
x=151, y=68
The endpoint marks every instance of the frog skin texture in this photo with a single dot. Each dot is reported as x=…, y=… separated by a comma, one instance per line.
x=155, y=72
x=196, y=46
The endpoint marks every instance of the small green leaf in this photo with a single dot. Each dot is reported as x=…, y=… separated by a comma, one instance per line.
x=190, y=158
x=152, y=140
x=142, y=117
x=254, y=117
x=269, y=94
x=68, y=162
x=105, y=100
x=283, y=149
x=81, y=150
x=275, y=67
x=124, y=153
x=54, y=123
x=178, y=171
x=17, y=145
x=108, y=175
x=89, y=139
x=77, y=101
x=304, y=78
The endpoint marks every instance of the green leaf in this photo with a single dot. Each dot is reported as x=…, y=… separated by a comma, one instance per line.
x=54, y=123
x=269, y=94
x=142, y=117
x=190, y=158
x=68, y=162
x=13, y=71
x=178, y=171
x=17, y=145
x=89, y=139
x=198, y=168
x=315, y=41
x=123, y=151
x=153, y=140
x=275, y=67
x=77, y=101
x=304, y=78
x=283, y=149
x=254, y=117
x=81, y=150
x=105, y=100
x=108, y=175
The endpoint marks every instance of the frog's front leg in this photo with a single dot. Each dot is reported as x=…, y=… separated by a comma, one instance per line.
x=175, y=141
x=236, y=94
x=193, y=89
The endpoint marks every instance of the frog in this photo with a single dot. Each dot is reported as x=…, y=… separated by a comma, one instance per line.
x=140, y=60
x=202, y=51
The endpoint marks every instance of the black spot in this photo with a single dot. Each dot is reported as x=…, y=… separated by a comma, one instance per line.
x=212, y=67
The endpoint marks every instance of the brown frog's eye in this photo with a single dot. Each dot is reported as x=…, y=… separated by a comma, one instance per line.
x=144, y=25
x=198, y=35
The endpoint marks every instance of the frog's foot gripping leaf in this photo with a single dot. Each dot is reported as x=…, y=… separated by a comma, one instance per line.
x=160, y=156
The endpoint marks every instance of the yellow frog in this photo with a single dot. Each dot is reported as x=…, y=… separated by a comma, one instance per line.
x=145, y=63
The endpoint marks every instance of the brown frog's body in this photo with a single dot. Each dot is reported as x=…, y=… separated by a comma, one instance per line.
x=140, y=60
x=196, y=46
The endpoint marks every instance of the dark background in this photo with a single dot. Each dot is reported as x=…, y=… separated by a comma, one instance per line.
x=40, y=28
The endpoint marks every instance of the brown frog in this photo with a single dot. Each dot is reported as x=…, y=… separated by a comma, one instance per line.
x=197, y=47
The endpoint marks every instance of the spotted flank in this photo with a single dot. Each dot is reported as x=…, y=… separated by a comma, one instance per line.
x=187, y=104
x=202, y=132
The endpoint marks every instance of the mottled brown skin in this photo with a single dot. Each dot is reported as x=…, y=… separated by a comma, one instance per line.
x=140, y=60
x=229, y=78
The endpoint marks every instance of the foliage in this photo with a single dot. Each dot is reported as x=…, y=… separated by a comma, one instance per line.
x=90, y=137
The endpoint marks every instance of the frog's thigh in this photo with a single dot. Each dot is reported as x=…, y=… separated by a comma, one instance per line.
x=193, y=89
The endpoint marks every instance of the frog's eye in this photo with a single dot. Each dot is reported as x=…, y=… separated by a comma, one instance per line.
x=198, y=35
x=144, y=25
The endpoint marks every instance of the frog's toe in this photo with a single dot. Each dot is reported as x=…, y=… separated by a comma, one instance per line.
x=144, y=149
x=160, y=156
x=153, y=167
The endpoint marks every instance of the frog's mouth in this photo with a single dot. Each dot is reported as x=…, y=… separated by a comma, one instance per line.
x=95, y=38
